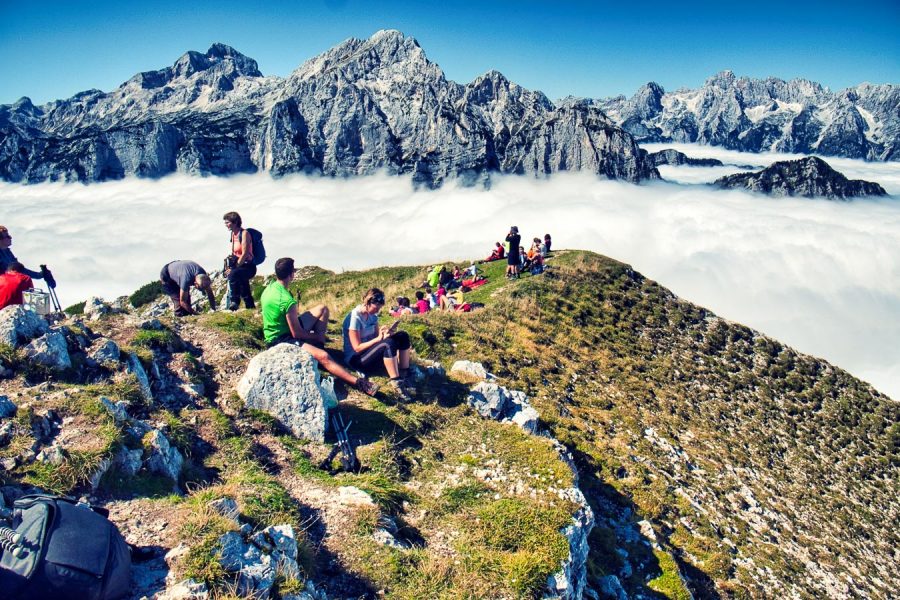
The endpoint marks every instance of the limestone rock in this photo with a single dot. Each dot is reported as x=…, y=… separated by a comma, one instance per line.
x=18, y=325
x=226, y=507
x=137, y=369
x=163, y=458
x=284, y=382
x=349, y=495
x=95, y=308
x=118, y=410
x=610, y=588
x=185, y=590
x=50, y=350
x=104, y=350
x=255, y=570
x=497, y=402
x=129, y=461
x=7, y=408
x=53, y=455
x=476, y=369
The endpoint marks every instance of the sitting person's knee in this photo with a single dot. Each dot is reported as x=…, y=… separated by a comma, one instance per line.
x=401, y=340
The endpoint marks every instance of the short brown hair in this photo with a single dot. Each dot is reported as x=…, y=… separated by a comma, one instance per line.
x=15, y=267
x=284, y=267
x=232, y=217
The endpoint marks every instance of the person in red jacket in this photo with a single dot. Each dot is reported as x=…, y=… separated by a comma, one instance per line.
x=12, y=284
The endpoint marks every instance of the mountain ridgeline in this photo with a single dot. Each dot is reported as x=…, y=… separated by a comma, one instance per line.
x=361, y=107
x=766, y=115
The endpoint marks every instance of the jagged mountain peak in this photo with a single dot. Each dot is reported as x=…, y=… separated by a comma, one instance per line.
x=809, y=176
x=220, y=59
x=387, y=47
x=722, y=79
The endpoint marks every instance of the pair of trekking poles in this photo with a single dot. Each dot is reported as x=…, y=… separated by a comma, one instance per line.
x=51, y=288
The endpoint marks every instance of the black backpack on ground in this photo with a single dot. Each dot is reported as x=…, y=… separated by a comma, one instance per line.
x=68, y=550
x=259, y=250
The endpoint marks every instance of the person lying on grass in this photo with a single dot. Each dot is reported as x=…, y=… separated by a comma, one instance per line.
x=368, y=345
x=283, y=325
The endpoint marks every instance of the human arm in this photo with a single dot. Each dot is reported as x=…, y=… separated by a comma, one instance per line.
x=246, y=248
x=359, y=346
x=212, y=299
x=184, y=301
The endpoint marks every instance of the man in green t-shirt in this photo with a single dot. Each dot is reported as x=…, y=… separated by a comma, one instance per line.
x=283, y=325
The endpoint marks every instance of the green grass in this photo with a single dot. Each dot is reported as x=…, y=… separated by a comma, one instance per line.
x=164, y=339
x=75, y=309
x=669, y=582
x=243, y=328
x=146, y=294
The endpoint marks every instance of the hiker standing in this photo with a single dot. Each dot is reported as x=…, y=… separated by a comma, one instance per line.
x=241, y=264
x=512, y=257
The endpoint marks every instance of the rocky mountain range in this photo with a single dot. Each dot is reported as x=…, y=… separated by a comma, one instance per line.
x=361, y=107
x=766, y=115
x=810, y=177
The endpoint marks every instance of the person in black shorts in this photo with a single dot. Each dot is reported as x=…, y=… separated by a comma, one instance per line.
x=177, y=277
x=512, y=258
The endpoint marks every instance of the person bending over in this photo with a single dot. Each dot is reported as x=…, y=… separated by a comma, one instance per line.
x=240, y=268
x=177, y=277
x=367, y=345
x=283, y=325
x=12, y=284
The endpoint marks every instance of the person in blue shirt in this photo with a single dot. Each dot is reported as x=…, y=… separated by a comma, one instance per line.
x=7, y=257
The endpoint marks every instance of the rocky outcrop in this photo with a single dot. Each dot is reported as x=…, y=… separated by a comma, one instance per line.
x=362, y=107
x=475, y=369
x=50, y=350
x=18, y=325
x=161, y=456
x=284, y=382
x=498, y=403
x=811, y=177
x=674, y=157
x=762, y=115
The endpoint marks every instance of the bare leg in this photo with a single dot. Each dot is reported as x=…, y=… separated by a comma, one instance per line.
x=404, y=359
x=329, y=365
x=390, y=365
x=321, y=314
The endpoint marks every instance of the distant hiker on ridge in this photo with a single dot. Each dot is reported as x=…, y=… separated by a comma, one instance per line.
x=283, y=325
x=177, y=277
x=240, y=267
x=512, y=257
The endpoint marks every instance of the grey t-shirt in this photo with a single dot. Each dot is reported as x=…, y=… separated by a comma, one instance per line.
x=183, y=273
x=366, y=325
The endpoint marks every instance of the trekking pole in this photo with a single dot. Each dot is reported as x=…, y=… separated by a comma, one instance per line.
x=51, y=287
x=348, y=453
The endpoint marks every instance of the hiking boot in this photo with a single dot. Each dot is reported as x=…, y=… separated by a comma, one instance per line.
x=233, y=306
x=401, y=390
x=366, y=386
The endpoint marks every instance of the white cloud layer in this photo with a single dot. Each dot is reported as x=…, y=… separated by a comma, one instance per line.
x=821, y=276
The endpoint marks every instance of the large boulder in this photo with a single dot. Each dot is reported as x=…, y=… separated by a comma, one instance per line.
x=18, y=325
x=50, y=350
x=255, y=570
x=7, y=408
x=104, y=351
x=284, y=382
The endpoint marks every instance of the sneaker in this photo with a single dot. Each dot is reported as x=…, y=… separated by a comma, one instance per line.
x=366, y=386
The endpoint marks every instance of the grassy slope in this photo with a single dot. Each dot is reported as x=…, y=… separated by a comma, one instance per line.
x=744, y=455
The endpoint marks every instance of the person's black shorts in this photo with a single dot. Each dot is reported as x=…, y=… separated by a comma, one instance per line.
x=168, y=284
x=287, y=338
x=513, y=259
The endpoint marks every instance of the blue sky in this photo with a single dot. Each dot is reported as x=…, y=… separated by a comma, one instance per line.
x=53, y=49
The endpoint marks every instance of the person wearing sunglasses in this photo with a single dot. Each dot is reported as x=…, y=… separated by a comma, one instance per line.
x=7, y=257
x=283, y=324
x=366, y=344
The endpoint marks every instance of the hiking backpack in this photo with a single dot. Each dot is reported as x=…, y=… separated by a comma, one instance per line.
x=259, y=251
x=59, y=548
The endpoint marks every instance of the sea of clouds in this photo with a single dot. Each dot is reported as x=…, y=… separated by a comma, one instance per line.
x=819, y=275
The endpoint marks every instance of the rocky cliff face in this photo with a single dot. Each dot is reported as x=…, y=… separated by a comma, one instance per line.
x=757, y=115
x=674, y=157
x=363, y=106
x=810, y=177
